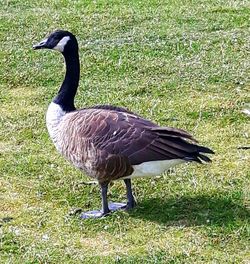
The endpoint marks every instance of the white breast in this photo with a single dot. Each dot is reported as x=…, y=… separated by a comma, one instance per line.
x=153, y=168
x=53, y=119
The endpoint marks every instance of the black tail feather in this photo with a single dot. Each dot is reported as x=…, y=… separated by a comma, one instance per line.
x=205, y=150
x=176, y=143
x=204, y=158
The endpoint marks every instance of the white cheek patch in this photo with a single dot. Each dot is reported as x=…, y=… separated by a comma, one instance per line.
x=61, y=44
x=43, y=41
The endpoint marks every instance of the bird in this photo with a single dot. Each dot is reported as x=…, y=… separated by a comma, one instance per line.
x=108, y=142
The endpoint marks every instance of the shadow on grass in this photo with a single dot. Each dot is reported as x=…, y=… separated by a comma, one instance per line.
x=193, y=211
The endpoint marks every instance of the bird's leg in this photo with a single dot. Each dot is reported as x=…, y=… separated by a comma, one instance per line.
x=104, y=190
x=131, y=200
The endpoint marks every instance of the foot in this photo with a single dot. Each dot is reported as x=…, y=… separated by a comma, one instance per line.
x=129, y=206
x=94, y=214
x=100, y=213
x=106, y=213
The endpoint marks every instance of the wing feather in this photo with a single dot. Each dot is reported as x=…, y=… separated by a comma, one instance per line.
x=120, y=139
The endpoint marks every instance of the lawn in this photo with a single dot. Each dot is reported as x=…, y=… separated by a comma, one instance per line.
x=180, y=63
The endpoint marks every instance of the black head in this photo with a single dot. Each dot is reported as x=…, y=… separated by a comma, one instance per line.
x=60, y=40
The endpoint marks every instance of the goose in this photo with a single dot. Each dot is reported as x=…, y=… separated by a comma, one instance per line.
x=107, y=142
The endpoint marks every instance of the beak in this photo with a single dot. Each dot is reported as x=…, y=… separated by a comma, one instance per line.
x=41, y=45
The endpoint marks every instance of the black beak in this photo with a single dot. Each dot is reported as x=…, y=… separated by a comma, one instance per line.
x=41, y=45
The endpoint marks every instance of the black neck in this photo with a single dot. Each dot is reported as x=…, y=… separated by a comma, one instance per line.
x=67, y=92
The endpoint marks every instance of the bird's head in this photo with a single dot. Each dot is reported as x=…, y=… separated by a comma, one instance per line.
x=61, y=40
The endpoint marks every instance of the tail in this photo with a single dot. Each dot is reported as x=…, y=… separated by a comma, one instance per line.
x=183, y=144
x=198, y=156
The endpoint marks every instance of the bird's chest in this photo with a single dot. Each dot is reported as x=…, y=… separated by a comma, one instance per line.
x=65, y=137
x=54, y=118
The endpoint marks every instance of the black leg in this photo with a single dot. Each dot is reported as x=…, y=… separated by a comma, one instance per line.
x=105, y=207
x=131, y=201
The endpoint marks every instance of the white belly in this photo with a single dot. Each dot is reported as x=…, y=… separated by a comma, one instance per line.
x=153, y=168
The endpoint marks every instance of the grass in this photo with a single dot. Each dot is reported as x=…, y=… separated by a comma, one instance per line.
x=180, y=64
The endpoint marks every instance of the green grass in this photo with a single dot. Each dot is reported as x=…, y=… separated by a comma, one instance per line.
x=179, y=63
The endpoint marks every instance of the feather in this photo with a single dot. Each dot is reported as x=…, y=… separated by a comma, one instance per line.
x=120, y=134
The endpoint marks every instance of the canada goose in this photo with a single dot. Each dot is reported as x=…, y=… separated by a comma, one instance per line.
x=108, y=142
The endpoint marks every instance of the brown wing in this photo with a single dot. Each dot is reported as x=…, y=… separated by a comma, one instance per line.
x=117, y=140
